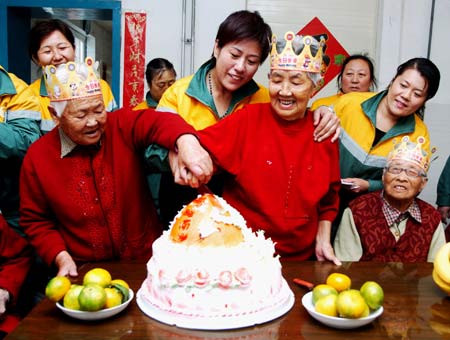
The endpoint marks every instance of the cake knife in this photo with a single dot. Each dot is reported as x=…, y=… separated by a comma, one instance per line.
x=203, y=189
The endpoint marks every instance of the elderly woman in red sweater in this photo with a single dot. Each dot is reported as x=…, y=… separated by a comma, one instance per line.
x=83, y=189
x=280, y=179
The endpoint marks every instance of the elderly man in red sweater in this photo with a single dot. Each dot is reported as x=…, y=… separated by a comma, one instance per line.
x=83, y=189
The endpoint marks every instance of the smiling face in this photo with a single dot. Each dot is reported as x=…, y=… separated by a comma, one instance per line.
x=55, y=49
x=356, y=76
x=401, y=189
x=236, y=63
x=83, y=120
x=406, y=94
x=290, y=92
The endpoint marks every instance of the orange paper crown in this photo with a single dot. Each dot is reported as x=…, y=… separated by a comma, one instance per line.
x=71, y=80
x=410, y=151
x=297, y=52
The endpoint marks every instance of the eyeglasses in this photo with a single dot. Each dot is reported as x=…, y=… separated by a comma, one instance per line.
x=413, y=173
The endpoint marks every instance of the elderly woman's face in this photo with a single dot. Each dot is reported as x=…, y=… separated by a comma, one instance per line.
x=290, y=92
x=84, y=119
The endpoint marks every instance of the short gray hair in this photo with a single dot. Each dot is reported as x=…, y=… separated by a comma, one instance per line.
x=59, y=107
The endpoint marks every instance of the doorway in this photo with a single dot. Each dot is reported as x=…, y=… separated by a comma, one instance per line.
x=96, y=25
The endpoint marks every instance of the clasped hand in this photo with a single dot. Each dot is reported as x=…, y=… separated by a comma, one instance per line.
x=4, y=298
x=191, y=164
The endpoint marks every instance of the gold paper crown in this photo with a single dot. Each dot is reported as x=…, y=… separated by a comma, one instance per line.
x=294, y=53
x=410, y=151
x=71, y=80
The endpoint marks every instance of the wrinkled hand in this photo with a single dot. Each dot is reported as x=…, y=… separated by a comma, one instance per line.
x=359, y=185
x=194, y=165
x=4, y=298
x=327, y=124
x=66, y=265
x=445, y=213
x=325, y=252
x=324, y=249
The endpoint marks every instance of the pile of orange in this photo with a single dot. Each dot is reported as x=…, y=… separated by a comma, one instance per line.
x=337, y=298
x=98, y=291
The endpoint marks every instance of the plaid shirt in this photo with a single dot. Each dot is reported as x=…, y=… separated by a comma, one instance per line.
x=395, y=216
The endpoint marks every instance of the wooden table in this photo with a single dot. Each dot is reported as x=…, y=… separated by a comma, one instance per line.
x=415, y=308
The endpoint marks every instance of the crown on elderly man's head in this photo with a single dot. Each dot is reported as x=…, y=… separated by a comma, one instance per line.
x=296, y=52
x=71, y=80
x=412, y=152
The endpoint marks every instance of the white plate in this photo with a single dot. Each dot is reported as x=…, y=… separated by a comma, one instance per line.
x=336, y=322
x=217, y=323
x=98, y=315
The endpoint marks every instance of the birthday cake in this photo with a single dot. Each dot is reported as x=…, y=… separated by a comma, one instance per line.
x=209, y=264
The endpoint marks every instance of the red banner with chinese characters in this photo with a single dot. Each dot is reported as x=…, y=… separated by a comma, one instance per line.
x=334, y=53
x=134, y=59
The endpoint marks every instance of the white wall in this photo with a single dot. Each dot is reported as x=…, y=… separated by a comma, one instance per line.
x=437, y=115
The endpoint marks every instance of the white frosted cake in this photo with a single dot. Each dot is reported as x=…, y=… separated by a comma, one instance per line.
x=210, y=264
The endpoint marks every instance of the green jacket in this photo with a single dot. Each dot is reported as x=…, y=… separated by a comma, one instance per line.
x=358, y=157
x=443, y=188
x=19, y=127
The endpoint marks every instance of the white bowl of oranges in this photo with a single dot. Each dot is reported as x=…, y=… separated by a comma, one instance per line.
x=337, y=305
x=99, y=297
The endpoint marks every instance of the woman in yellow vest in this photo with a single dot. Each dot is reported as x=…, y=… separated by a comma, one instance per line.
x=160, y=75
x=51, y=42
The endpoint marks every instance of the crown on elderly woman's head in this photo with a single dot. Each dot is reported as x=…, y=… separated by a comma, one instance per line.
x=71, y=80
x=412, y=152
x=297, y=52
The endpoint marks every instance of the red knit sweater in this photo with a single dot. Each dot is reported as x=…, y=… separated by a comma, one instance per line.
x=377, y=241
x=15, y=259
x=95, y=203
x=282, y=181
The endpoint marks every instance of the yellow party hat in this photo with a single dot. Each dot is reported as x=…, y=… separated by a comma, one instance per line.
x=410, y=151
x=297, y=52
x=71, y=80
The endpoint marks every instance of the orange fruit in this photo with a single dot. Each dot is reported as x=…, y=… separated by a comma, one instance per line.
x=97, y=276
x=113, y=297
x=327, y=305
x=366, y=312
x=71, y=298
x=120, y=282
x=339, y=281
x=92, y=297
x=57, y=287
x=350, y=304
x=322, y=290
x=373, y=294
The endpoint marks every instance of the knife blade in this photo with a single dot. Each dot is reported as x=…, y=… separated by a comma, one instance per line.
x=203, y=189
